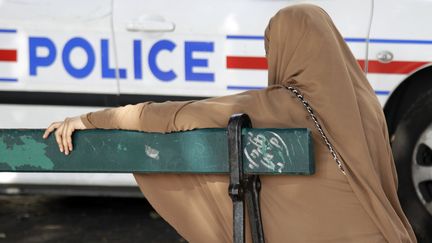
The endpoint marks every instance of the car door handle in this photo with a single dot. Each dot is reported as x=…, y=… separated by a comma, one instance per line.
x=385, y=56
x=147, y=23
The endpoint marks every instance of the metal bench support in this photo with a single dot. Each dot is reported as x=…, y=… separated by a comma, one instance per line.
x=243, y=188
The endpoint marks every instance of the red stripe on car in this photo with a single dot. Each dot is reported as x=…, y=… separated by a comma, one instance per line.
x=8, y=55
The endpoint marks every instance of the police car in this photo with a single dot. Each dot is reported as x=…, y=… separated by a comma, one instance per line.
x=63, y=58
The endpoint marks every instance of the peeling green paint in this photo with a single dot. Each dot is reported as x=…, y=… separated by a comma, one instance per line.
x=23, y=151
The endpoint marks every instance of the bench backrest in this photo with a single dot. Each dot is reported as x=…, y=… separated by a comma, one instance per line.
x=266, y=151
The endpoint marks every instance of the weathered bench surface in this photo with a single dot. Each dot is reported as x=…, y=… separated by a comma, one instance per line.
x=266, y=151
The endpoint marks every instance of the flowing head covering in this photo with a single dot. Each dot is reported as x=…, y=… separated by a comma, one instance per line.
x=305, y=50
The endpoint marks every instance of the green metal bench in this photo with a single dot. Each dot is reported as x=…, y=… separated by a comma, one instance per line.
x=240, y=151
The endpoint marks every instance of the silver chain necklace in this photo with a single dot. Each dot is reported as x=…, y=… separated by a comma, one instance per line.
x=318, y=126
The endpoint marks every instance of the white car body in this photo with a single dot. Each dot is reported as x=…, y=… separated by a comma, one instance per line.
x=162, y=49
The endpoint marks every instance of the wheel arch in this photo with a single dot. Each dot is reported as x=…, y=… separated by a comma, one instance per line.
x=405, y=94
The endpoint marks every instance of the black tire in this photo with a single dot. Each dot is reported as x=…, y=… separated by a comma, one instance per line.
x=407, y=134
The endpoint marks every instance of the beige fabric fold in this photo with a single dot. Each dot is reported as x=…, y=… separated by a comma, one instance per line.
x=304, y=50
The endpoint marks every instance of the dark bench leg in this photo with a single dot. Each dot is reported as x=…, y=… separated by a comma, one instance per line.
x=243, y=187
x=253, y=188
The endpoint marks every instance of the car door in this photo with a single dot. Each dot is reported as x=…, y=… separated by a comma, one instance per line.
x=56, y=58
x=170, y=49
x=400, y=43
x=59, y=45
x=52, y=53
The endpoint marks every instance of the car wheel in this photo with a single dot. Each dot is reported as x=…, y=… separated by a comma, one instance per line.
x=412, y=151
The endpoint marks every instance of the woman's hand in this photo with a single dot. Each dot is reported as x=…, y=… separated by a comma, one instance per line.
x=64, y=131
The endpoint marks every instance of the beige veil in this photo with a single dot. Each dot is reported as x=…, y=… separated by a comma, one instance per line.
x=305, y=50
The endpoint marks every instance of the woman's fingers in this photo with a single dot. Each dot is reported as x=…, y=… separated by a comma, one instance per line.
x=64, y=136
x=64, y=131
x=51, y=128
x=69, y=137
x=58, y=136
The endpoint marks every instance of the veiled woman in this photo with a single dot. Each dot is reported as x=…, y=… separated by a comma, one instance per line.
x=350, y=199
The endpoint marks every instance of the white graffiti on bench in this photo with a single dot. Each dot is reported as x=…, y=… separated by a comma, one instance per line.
x=267, y=149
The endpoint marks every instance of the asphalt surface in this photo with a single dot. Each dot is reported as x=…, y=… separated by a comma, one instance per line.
x=52, y=219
